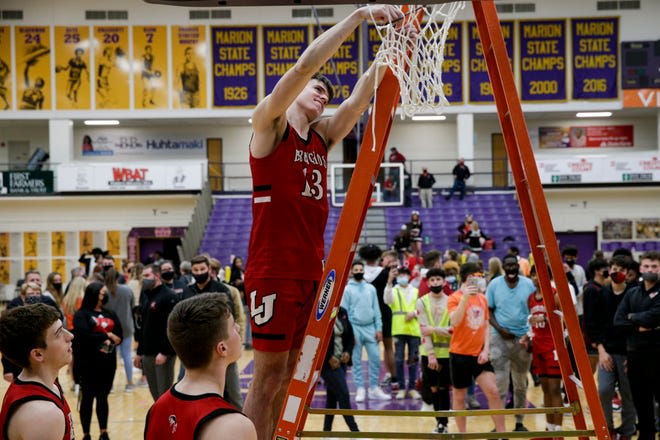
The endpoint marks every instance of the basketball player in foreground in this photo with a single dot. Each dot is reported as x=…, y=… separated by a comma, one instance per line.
x=288, y=160
x=33, y=337
x=204, y=335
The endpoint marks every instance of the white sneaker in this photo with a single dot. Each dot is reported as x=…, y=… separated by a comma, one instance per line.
x=401, y=394
x=414, y=394
x=360, y=394
x=376, y=393
x=426, y=407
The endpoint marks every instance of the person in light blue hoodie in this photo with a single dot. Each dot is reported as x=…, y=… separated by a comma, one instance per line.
x=361, y=302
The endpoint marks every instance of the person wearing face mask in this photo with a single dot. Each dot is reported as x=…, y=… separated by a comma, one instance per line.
x=155, y=355
x=470, y=345
x=205, y=281
x=611, y=345
x=434, y=325
x=108, y=262
x=638, y=316
x=570, y=255
x=508, y=297
x=168, y=276
x=54, y=287
x=402, y=299
x=591, y=294
x=361, y=303
x=97, y=331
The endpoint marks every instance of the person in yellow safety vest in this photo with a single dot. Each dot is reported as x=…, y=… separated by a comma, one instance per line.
x=433, y=317
x=402, y=299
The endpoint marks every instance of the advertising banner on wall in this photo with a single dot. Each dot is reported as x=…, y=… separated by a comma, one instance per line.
x=72, y=68
x=5, y=69
x=109, y=144
x=595, y=58
x=543, y=60
x=639, y=168
x=344, y=67
x=129, y=177
x=189, y=60
x=586, y=137
x=112, y=67
x=283, y=45
x=641, y=98
x=480, y=87
x=150, y=64
x=32, y=44
x=234, y=66
x=25, y=183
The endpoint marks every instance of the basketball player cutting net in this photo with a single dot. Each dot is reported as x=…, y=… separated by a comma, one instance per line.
x=288, y=160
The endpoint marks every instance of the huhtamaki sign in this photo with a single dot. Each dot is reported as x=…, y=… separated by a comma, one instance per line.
x=641, y=98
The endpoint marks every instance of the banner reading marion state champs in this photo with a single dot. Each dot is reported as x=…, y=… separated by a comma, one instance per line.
x=452, y=68
x=595, y=58
x=481, y=90
x=234, y=66
x=282, y=45
x=343, y=70
x=543, y=60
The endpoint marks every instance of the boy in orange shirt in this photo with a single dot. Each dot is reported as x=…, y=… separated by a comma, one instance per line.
x=468, y=350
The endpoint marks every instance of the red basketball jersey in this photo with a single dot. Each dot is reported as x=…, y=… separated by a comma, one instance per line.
x=289, y=209
x=20, y=392
x=542, y=340
x=179, y=416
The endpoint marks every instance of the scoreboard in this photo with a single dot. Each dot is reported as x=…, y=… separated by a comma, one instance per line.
x=640, y=64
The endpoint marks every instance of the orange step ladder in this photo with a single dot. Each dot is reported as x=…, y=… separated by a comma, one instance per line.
x=537, y=223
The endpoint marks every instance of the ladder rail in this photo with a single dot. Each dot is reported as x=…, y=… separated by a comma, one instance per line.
x=535, y=212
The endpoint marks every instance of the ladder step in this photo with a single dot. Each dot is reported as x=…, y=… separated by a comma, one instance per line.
x=454, y=436
x=452, y=413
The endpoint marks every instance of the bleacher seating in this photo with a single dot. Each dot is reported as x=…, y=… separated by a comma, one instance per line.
x=498, y=214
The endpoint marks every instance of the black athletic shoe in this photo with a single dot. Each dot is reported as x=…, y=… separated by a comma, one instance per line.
x=520, y=428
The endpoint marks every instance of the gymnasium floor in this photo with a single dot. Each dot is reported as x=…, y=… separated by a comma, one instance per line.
x=128, y=410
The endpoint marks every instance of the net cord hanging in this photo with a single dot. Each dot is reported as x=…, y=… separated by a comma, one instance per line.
x=416, y=59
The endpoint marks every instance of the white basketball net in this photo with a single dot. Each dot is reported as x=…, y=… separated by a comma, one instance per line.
x=417, y=63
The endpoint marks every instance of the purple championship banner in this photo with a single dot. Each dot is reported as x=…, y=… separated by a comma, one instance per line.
x=481, y=90
x=595, y=58
x=373, y=40
x=543, y=60
x=234, y=66
x=343, y=70
x=283, y=45
x=452, y=68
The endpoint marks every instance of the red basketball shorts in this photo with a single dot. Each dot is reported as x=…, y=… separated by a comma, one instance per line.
x=279, y=312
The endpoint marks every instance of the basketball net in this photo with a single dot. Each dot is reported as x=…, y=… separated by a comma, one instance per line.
x=417, y=61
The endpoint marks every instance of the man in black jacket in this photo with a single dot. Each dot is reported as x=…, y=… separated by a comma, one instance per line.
x=611, y=346
x=155, y=355
x=639, y=315
x=461, y=173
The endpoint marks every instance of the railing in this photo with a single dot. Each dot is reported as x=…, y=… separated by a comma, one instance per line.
x=195, y=232
x=486, y=173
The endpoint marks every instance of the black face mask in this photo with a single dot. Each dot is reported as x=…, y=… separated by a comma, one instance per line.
x=167, y=276
x=571, y=262
x=106, y=268
x=148, y=283
x=201, y=278
x=650, y=277
x=105, y=299
x=359, y=276
x=57, y=286
x=606, y=274
x=436, y=289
